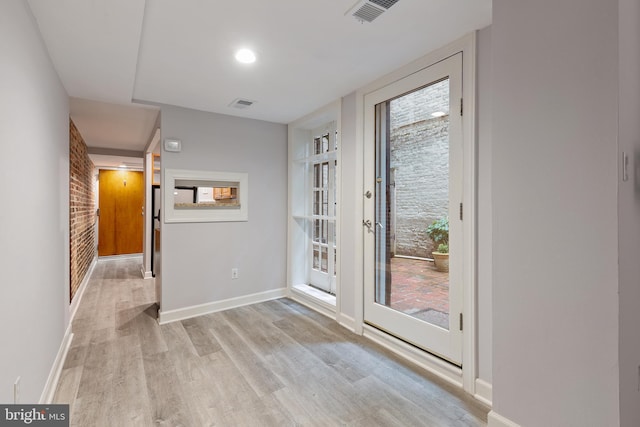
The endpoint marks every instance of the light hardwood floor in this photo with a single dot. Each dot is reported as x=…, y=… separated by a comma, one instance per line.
x=271, y=364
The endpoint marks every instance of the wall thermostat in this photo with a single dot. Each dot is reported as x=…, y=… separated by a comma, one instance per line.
x=173, y=145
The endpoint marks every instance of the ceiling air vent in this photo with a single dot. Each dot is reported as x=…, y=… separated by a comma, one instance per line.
x=368, y=10
x=241, y=103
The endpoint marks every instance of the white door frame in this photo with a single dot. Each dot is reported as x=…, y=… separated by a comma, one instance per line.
x=467, y=375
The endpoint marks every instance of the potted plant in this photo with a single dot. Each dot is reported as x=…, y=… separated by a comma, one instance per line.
x=438, y=231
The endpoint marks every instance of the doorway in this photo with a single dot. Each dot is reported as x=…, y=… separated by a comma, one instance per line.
x=413, y=184
x=121, y=208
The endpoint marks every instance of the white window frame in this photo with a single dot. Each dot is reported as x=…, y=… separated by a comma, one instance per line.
x=316, y=277
x=299, y=250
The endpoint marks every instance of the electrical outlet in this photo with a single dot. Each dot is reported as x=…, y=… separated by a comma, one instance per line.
x=234, y=273
x=16, y=391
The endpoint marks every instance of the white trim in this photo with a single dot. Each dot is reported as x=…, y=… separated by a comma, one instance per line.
x=469, y=199
x=211, y=307
x=466, y=45
x=54, y=375
x=358, y=274
x=484, y=392
x=347, y=321
x=444, y=370
x=75, y=302
x=146, y=274
x=312, y=302
x=496, y=420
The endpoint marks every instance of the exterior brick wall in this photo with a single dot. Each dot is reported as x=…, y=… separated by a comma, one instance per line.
x=420, y=162
x=82, y=215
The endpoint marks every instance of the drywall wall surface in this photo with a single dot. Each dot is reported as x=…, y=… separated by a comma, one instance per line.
x=349, y=214
x=554, y=191
x=629, y=212
x=484, y=212
x=34, y=218
x=197, y=258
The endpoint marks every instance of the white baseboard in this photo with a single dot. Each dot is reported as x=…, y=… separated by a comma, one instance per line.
x=75, y=302
x=54, y=375
x=146, y=274
x=211, y=307
x=484, y=392
x=347, y=321
x=496, y=420
x=435, y=365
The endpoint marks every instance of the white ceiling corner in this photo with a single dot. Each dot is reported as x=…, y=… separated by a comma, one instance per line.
x=93, y=45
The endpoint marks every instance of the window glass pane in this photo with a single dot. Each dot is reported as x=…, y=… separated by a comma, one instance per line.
x=325, y=175
x=335, y=260
x=325, y=230
x=325, y=259
x=316, y=175
x=316, y=202
x=316, y=230
x=325, y=203
x=325, y=143
x=316, y=257
x=317, y=146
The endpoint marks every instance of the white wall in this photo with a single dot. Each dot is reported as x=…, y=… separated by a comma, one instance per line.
x=350, y=210
x=34, y=218
x=554, y=160
x=484, y=230
x=197, y=258
x=629, y=213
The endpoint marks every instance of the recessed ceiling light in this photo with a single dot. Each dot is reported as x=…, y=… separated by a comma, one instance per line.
x=439, y=114
x=245, y=56
x=122, y=166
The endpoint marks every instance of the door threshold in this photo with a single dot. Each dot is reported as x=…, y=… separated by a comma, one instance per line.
x=433, y=364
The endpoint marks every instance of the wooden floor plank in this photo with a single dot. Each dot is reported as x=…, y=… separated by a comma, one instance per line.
x=252, y=366
x=201, y=338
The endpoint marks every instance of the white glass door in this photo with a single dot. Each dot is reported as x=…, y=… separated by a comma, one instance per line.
x=413, y=191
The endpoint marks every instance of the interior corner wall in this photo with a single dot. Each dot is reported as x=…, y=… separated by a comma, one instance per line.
x=629, y=212
x=555, y=233
x=197, y=258
x=34, y=236
x=82, y=213
x=484, y=201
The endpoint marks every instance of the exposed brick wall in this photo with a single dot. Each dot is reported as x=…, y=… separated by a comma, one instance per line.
x=82, y=216
x=420, y=158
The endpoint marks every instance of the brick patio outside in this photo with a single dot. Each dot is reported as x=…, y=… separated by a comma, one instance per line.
x=419, y=290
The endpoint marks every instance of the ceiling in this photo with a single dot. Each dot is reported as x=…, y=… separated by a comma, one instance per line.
x=114, y=55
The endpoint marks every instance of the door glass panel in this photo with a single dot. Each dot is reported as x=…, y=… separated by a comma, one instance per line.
x=412, y=178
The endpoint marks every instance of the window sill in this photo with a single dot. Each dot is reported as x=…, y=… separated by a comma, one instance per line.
x=320, y=301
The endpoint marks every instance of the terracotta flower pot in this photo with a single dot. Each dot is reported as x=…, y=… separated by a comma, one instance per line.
x=441, y=261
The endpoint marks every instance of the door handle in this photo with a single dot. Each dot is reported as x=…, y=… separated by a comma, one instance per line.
x=369, y=226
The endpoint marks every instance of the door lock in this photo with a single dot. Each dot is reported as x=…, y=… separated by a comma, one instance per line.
x=367, y=194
